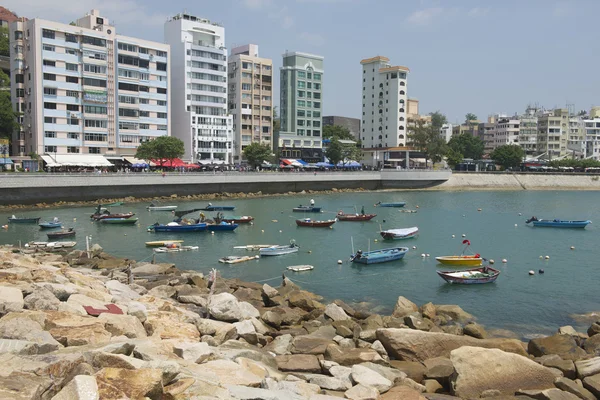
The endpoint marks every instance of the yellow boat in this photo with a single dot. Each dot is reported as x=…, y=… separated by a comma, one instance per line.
x=467, y=261
x=162, y=243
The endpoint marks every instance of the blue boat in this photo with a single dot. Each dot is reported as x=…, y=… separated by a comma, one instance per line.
x=174, y=227
x=222, y=227
x=18, y=220
x=397, y=204
x=557, y=223
x=210, y=207
x=307, y=209
x=379, y=256
x=51, y=225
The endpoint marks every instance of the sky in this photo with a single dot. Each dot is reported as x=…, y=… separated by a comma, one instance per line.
x=465, y=56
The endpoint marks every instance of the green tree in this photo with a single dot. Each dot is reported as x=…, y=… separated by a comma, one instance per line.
x=256, y=153
x=470, y=118
x=335, y=151
x=163, y=149
x=468, y=145
x=508, y=156
x=276, y=121
x=338, y=132
x=8, y=118
x=453, y=157
x=426, y=138
x=438, y=119
x=4, y=42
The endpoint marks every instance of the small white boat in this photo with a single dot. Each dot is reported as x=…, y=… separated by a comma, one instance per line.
x=236, y=259
x=174, y=249
x=279, y=250
x=50, y=245
x=254, y=247
x=160, y=208
x=300, y=268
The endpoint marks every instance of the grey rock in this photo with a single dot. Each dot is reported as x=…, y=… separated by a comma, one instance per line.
x=587, y=367
x=362, y=392
x=299, y=363
x=194, y=352
x=81, y=387
x=121, y=291
x=225, y=307
x=475, y=330
x=404, y=307
x=570, y=386
x=330, y=383
x=336, y=313
x=248, y=311
x=29, y=330
x=272, y=318
x=592, y=383
x=393, y=375
x=368, y=377
x=281, y=345
x=11, y=300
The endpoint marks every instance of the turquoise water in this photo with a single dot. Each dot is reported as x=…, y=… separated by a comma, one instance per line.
x=526, y=304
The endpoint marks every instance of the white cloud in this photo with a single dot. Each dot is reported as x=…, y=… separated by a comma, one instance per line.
x=425, y=16
x=312, y=38
x=121, y=12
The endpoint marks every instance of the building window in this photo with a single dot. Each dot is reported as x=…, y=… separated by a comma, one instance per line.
x=95, y=110
x=161, y=127
x=161, y=115
x=128, y=60
x=128, y=112
x=18, y=35
x=301, y=113
x=50, y=135
x=95, y=137
x=161, y=102
x=50, y=77
x=50, y=106
x=144, y=113
x=94, y=150
x=48, y=47
x=19, y=78
x=72, y=121
x=70, y=38
x=73, y=93
x=94, y=41
x=49, y=149
x=301, y=85
x=144, y=126
x=130, y=87
x=161, y=91
x=95, y=123
x=161, y=53
x=72, y=149
x=128, y=99
x=317, y=104
x=161, y=66
x=48, y=34
x=127, y=47
x=94, y=82
x=96, y=69
x=72, y=52
x=72, y=79
x=49, y=91
x=301, y=103
x=49, y=63
x=72, y=67
x=49, y=120
x=73, y=136
x=72, y=107
x=123, y=125
x=301, y=93
x=20, y=92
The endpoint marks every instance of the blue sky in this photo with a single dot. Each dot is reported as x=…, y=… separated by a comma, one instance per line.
x=465, y=56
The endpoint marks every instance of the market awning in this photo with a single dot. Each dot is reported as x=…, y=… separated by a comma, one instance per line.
x=304, y=163
x=114, y=158
x=294, y=163
x=136, y=162
x=209, y=162
x=6, y=161
x=76, y=160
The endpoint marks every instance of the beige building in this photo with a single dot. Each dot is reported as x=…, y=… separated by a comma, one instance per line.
x=250, y=98
x=83, y=89
x=553, y=128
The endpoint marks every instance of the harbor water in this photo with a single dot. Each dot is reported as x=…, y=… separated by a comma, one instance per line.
x=527, y=305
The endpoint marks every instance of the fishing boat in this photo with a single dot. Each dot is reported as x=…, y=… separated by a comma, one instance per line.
x=119, y=221
x=23, y=220
x=153, y=207
x=557, y=223
x=98, y=217
x=238, y=220
x=355, y=217
x=397, y=204
x=470, y=276
x=162, y=243
x=175, y=227
x=61, y=234
x=315, y=224
x=462, y=259
x=221, y=227
x=302, y=208
x=279, y=250
x=115, y=204
x=210, y=207
x=50, y=245
x=379, y=256
x=400, y=234
x=300, y=268
x=50, y=225
x=174, y=249
x=237, y=260
x=254, y=247
x=408, y=211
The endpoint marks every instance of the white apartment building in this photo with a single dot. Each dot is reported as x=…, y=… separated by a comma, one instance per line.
x=446, y=132
x=83, y=89
x=384, y=103
x=591, y=134
x=506, y=130
x=250, y=92
x=199, y=95
x=301, y=107
x=528, y=131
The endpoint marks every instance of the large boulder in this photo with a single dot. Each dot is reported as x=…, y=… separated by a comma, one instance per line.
x=26, y=329
x=272, y=318
x=564, y=346
x=475, y=330
x=453, y=312
x=578, y=390
x=352, y=356
x=41, y=299
x=440, y=369
x=479, y=369
x=194, y=352
x=117, y=383
x=81, y=387
x=336, y=313
x=404, y=307
x=548, y=394
x=414, y=345
x=281, y=345
x=592, y=383
x=362, y=392
x=123, y=325
x=402, y=393
x=11, y=300
x=307, y=344
x=299, y=363
x=167, y=325
x=368, y=377
x=587, y=367
x=304, y=300
x=414, y=370
x=224, y=307
x=121, y=291
x=153, y=269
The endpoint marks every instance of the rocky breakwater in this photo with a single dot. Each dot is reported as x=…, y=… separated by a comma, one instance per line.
x=97, y=327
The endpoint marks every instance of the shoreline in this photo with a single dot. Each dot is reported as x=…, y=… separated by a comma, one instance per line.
x=75, y=323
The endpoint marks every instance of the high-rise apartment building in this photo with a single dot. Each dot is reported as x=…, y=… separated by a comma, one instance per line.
x=384, y=103
x=250, y=92
x=301, y=107
x=528, y=131
x=506, y=130
x=553, y=133
x=82, y=88
x=199, y=95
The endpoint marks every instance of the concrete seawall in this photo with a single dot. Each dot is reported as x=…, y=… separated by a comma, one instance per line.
x=46, y=188
x=519, y=181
